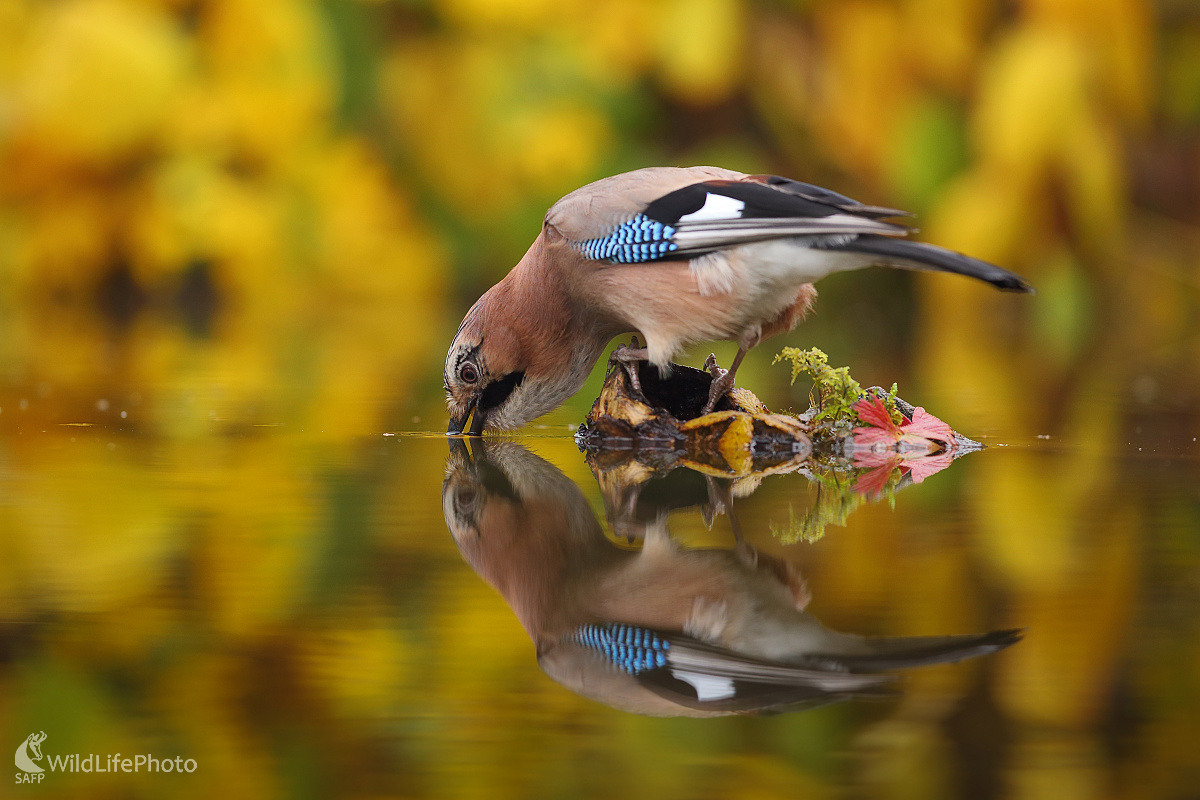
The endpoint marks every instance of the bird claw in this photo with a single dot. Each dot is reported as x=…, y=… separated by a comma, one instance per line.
x=710, y=366
x=628, y=356
x=720, y=386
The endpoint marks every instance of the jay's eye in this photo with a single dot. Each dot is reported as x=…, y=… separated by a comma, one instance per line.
x=468, y=373
x=465, y=500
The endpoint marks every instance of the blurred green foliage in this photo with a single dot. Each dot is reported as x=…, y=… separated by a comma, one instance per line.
x=236, y=236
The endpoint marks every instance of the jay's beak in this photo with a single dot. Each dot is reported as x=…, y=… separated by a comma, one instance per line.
x=458, y=423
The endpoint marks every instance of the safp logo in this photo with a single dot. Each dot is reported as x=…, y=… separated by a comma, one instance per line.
x=30, y=751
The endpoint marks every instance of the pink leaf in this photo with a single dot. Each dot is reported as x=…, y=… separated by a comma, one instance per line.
x=871, y=410
x=873, y=483
x=868, y=459
x=874, y=438
x=928, y=426
x=922, y=468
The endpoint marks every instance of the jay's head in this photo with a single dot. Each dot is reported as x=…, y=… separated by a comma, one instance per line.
x=487, y=375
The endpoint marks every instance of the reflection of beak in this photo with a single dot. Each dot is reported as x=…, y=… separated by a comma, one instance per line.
x=459, y=450
x=458, y=423
x=470, y=456
x=479, y=421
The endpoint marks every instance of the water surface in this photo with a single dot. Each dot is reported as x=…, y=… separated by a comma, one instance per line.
x=292, y=612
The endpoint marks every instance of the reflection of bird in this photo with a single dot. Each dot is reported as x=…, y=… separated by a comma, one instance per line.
x=682, y=255
x=663, y=630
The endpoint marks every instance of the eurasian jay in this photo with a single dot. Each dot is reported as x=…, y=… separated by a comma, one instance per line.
x=662, y=631
x=680, y=255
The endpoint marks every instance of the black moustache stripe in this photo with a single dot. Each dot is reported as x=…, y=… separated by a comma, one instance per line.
x=496, y=482
x=498, y=391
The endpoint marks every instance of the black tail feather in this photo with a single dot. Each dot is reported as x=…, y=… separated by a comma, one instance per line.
x=906, y=652
x=918, y=255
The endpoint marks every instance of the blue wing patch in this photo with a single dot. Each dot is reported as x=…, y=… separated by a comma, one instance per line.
x=639, y=239
x=631, y=648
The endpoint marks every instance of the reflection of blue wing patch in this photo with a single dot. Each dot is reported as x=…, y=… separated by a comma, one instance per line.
x=639, y=239
x=631, y=648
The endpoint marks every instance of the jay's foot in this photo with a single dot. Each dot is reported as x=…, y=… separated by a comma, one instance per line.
x=629, y=356
x=722, y=382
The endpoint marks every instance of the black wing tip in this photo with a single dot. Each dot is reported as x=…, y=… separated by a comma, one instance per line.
x=878, y=212
x=1014, y=283
x=1006, y=637
x=829, y=197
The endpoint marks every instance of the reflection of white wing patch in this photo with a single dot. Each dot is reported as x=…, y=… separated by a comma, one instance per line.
x=708, y=687
x=716, y=206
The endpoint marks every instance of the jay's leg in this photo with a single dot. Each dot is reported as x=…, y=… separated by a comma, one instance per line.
x=624, y=513
x=723, y=494
x=716, y=501
x=720, y=501
x=723, y=382
x=629, y=356
x=721, y=385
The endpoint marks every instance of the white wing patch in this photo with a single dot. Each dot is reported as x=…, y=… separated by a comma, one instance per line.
x=716, y=206
x=708, y=687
